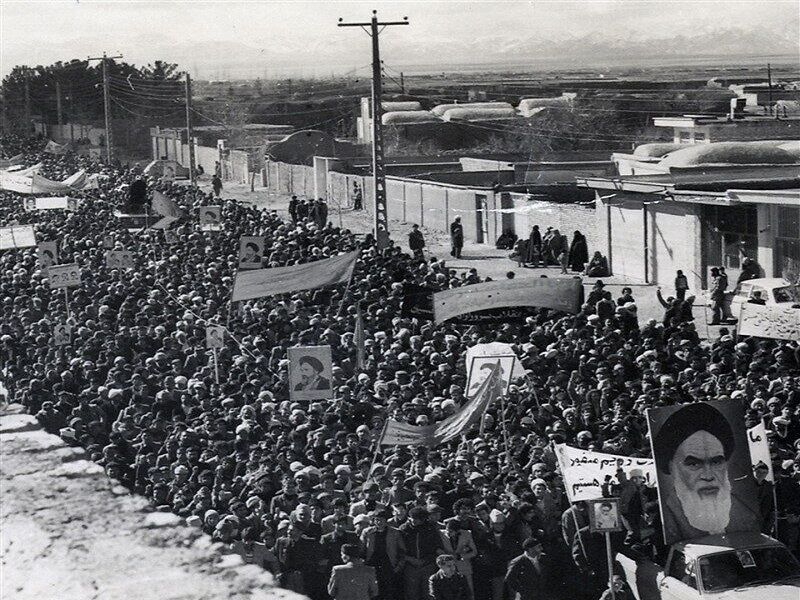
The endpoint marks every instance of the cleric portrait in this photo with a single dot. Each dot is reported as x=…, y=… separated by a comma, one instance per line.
x=703, y=490
x=311, y=370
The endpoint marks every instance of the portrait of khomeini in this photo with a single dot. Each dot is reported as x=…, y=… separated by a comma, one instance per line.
x=703, y=489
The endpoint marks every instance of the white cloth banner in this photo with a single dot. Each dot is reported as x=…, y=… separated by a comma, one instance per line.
x=21, y=236
x=759, y=448
x=779, y=322
x=52, y=203
x=584, y=472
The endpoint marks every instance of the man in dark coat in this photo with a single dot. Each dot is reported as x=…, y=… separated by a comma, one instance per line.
x=447, y=583
x=456, y=238
x=332, y=542
x=535, y=247
x=416, y=242
x=578, y=252
x=293, y=208
x=528, y=576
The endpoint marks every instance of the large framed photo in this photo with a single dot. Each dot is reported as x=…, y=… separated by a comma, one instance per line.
x=62, y=334
x=47, y=253
x=210, y=218
x=604, y=515
x=251, y=251
x=481, y=367
x=310, y=373
x=215, y=336
x=119, y=259
x=703, y=470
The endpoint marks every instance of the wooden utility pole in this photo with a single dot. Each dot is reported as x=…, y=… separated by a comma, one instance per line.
x=107, y=104
x=189, y=131
x=381, y=220
x=402, y=83
x=58, y=104
x=769, y=86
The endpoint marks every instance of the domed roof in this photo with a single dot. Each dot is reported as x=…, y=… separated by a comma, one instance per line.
x=731, y=153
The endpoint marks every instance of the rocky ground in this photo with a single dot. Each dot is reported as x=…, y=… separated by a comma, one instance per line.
x=67, y=532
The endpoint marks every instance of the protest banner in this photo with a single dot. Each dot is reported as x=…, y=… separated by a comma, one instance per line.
x=17, y=236
x=166, y=207
x=759, y=448
x=62, y=334
x=215, y=336
x=64, y=276
x=417, y=302
x=296, y=278
x=47, y=254
x=51, y=203
x=209, y=215
x=54, y=148
x=396, y=433
x=494, y=349
x=559, y=294
x=778, y=322
x=310, y=373
x=119, y=259
x=604, y=515
x=480, y=367
x=585, y=472
x=703, y=470
x=251, y=250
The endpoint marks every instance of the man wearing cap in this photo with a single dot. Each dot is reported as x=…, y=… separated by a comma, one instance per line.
x=423, y=544
x=447, y=583
x=371, y=491
x=352, y=580
x=693, y=448
x=528, y=576
x=332, y=542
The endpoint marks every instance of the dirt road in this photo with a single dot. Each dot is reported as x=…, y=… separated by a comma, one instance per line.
x=68, y=533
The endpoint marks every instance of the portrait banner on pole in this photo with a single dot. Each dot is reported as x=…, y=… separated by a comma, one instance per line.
x=703, y=470
x=310, y=373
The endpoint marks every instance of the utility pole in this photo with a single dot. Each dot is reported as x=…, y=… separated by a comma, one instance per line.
x=381, y=220
x=58, y=104
x=402, y=83
x=107, y=103
x=189, y=132
x=769, y=86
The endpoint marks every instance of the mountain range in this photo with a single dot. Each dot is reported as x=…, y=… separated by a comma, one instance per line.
x=343, y=51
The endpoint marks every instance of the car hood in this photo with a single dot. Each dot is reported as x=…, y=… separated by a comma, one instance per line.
x=789, y=590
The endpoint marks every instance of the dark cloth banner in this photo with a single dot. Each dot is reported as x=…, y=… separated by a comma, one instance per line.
x=403, y=434
x=296, y=278
x=559, y=294
x=417, y=303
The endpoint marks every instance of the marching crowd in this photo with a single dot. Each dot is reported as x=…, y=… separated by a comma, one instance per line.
x=302, y=488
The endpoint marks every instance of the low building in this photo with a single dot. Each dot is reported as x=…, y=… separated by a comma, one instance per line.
x=697, y=218
x=702, y=129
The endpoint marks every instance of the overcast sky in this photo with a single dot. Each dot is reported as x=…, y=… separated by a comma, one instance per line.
x=41, y=32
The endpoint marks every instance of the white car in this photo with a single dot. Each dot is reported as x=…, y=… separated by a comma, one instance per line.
x=741, y=566
x=774, y=291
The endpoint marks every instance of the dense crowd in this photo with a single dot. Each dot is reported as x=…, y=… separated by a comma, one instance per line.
x=301, y=487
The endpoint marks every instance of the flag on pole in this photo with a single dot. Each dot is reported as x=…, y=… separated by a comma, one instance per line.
x=296, y=278
x=397, y=433
x=359, y=339
x=165, y=206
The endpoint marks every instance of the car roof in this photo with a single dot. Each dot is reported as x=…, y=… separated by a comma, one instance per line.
x=725, y=542
x=768, y=282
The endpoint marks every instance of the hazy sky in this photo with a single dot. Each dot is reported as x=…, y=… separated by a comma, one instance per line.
x=36, y=32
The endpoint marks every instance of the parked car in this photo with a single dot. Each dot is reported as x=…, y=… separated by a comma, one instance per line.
x=744, y=566
x=774, y=291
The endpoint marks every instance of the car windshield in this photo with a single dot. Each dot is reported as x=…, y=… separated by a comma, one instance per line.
x=746, y=567
x=790, y=293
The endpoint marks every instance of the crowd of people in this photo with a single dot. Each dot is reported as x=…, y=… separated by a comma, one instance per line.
x=302, y=488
